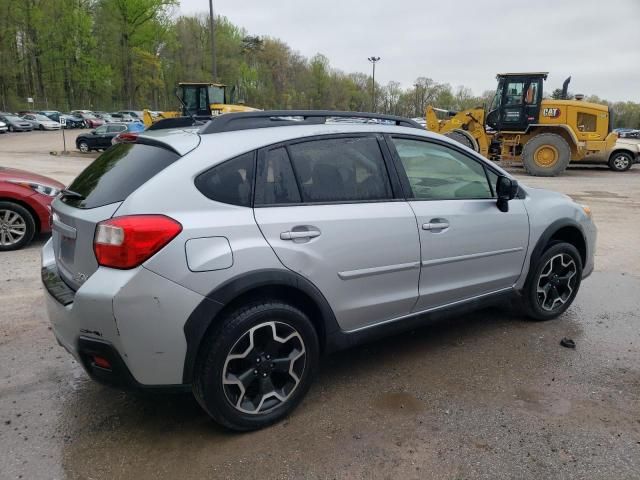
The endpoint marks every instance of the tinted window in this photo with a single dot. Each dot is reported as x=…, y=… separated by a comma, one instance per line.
x=341, y=169
x=441, y=173
x=230, y=182
x=116, y=128
x=275, y=181
x=101, y=130
x=115, y=174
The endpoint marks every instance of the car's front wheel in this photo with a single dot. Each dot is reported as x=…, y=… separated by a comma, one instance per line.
x=620, y=161
x=83, y=147
x=553, y=282
x=17, y=226
x=257, y=365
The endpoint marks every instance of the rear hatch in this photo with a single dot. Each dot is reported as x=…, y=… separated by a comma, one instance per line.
x=95, y=195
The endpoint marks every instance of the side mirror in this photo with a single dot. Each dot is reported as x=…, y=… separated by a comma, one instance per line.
x=507, y=189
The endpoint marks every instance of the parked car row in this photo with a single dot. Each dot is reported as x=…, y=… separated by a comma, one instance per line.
x=25, y=121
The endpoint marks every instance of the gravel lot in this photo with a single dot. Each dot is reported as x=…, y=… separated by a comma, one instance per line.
x=486, y=395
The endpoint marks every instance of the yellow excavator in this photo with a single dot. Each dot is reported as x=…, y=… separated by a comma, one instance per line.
x=201, y=100
x=520, y=126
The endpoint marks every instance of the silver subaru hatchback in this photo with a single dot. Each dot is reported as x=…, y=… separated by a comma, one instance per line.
x=226, y=258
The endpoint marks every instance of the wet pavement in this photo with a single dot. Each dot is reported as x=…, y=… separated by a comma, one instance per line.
x=482, y=396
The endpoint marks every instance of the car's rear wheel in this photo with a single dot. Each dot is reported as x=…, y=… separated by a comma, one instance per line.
x=83, y=147
x=553, y=282
x=11, y=128
x=17, y=226
x=257, y=365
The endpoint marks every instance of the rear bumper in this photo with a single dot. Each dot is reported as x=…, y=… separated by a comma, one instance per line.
x=135, y=317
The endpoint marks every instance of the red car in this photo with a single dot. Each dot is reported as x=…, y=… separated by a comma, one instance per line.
x=24, y=206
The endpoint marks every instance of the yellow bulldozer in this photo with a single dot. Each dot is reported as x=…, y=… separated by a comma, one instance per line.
x=521, y=126
x=200, y=99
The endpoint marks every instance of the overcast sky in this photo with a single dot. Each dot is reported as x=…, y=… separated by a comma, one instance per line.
x=462, y=42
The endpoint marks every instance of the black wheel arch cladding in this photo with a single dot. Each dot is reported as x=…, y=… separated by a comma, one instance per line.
x=207, y=312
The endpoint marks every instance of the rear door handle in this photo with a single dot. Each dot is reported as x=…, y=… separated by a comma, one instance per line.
x=293, y=235
x=435, y=225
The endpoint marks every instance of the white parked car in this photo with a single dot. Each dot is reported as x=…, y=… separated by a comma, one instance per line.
x=41, y=122
x=3, y=127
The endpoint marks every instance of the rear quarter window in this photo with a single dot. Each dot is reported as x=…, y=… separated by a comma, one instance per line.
x=117, y=173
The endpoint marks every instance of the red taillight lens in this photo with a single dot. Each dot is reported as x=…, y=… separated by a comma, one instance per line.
x=126, y=242
x=125, y=138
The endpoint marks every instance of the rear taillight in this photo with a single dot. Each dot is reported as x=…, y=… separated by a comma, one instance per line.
x=126, y=137
x=126, y=242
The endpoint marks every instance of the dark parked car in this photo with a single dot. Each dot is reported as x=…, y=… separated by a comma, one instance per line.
x=24, y=208
x=15, y=123
x=72, y=122
x=90, y=120
x=100, y=138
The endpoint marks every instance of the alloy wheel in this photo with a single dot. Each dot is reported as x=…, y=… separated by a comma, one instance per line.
x=264, y=367
x=84, y=148
x=621, y=162
x=13, y=228
x=556, y=282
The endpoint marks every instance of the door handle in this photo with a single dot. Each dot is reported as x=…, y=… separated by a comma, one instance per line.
x=293, y=235
x=435, y=226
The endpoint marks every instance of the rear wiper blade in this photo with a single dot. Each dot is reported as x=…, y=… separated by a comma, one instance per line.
x=70, y=193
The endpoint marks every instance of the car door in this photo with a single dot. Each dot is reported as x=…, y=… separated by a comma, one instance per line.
x=113, y=130
x=469, y=248
x=328, y=208
x=100, y=137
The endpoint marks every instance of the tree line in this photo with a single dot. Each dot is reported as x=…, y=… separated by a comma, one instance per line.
x=116, y=54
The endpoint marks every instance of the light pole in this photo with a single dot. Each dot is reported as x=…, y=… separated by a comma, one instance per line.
x=373, y=61
x=214, y=66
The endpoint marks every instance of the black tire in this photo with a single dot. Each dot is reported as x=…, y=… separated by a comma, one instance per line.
x=208, y=385
x=532, y=300
x=557, y=144
x=11, y=128
x=26, y=219
x=84, y=147
x=620, y=161
x=41, y=127
x=461, y=138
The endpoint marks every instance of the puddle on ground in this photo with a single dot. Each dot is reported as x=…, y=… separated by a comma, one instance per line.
x=402, y=402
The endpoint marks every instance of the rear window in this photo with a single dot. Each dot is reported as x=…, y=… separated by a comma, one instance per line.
x=117, y=173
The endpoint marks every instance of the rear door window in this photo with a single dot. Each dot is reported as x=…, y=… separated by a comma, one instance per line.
x=117, y=173
x=275, y=182
x=341, y=170
x=230, y=182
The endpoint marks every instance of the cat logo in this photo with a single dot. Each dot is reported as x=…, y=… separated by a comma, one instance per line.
x=551, y=112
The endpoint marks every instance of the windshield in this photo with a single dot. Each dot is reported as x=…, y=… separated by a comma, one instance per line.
x=216, y=94
x=42, y=118
x=12, y=118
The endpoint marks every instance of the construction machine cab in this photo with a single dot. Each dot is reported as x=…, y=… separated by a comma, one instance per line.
x=516, y=103
x=205, y=99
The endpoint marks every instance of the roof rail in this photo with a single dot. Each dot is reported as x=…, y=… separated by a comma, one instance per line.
x=179, y=122
x=230, y=122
